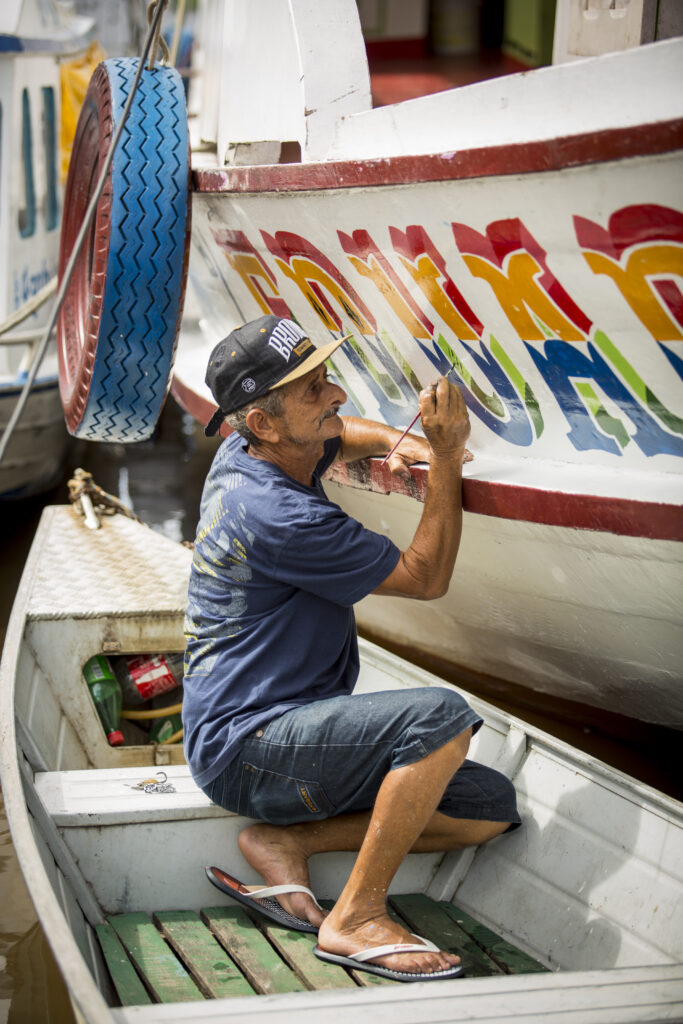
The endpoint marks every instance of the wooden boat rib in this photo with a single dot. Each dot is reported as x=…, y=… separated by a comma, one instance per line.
x=591, y=886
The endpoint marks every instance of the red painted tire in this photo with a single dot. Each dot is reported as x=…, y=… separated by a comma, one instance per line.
x=119, y=323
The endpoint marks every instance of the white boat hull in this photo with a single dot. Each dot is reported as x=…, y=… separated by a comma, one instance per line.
x=583, y=615
x=30, y=216
x=569, y=578
x=35, y=456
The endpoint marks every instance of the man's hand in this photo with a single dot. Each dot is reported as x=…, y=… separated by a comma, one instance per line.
x=444, y=418
x=412, y=448
x=438, y=406
x=362, y=438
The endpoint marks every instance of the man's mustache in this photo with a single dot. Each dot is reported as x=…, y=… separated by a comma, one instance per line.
x=328, y=415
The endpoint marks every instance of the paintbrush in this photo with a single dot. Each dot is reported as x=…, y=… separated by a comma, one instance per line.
x=410, y=425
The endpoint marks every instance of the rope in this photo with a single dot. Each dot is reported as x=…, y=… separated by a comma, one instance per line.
x=179, y=17
x=158, y=41
x=82, y=484
x=172, y=739
x=135, y=716
x=75, y=252
x=34, y=303
x=88, y=499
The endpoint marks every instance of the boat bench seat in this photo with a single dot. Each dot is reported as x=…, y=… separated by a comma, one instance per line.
x=107, y=796
x=224, y=952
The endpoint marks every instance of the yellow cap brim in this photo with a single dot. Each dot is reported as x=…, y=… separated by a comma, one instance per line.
x=318, y=356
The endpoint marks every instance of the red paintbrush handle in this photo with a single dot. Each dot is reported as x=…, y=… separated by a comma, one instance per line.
x=408, y=428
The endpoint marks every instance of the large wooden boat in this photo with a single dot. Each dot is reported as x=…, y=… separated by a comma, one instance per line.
x=528, y=229
x=589, y=890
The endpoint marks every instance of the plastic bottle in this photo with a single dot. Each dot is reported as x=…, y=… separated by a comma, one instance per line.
x=144, y=676
x=164, y=728
x=106, y=694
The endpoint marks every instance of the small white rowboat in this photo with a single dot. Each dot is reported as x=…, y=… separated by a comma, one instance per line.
x=589, y=891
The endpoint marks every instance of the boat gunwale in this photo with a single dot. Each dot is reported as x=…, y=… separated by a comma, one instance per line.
x=652, y=138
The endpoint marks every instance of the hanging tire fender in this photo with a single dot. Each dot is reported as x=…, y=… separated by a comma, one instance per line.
x=118, y=327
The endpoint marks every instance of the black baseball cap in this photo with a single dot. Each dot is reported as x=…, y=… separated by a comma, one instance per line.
x=256, y=358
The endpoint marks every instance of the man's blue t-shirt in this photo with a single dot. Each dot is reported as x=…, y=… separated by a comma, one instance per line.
x=276, y=570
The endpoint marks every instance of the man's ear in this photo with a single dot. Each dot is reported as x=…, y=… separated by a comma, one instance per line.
x=262, y=426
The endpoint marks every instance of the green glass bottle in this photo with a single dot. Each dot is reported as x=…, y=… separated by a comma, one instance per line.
x=106, y=694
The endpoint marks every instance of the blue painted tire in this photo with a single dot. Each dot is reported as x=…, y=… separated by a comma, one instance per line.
x=118, y=328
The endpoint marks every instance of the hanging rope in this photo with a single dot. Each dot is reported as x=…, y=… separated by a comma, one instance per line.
x=155, y=25
x=158, y=41
x=34, y=303
x=175, y=41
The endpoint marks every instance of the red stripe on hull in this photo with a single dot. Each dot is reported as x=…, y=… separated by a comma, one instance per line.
x=621, y=516
x=518, y=158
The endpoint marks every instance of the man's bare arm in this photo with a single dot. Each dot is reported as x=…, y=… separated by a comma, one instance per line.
x=424, y=570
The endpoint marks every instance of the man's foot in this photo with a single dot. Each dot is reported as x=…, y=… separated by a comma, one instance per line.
x=276, y=852
x=347, y=934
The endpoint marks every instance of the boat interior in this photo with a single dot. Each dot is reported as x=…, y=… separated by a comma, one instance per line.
x=127, y=866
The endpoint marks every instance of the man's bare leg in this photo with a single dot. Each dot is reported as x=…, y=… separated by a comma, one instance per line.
x=404, y=818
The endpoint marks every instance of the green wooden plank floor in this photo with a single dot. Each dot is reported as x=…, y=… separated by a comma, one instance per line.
x=216, y=974
x=164, y=975
x=129, y=988
x=224, y=952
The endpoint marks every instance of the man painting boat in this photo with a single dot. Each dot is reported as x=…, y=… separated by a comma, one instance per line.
x=271, y=728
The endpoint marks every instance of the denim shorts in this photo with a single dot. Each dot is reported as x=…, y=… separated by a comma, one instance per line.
x=330, y=757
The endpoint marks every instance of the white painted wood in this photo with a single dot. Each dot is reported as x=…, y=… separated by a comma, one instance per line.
x=454, y=866
x=584, y=867
x=204, y=100
x=512, y=752
x=269, y=82
x=106, y=796
x=63, y=859
x=545, y=607
x=137, y=882
x=44, y=32
x=450, y=872
x=591, y=94
x=587, y=29
x=43, y=723
x=39, y=441
x=588, y=997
